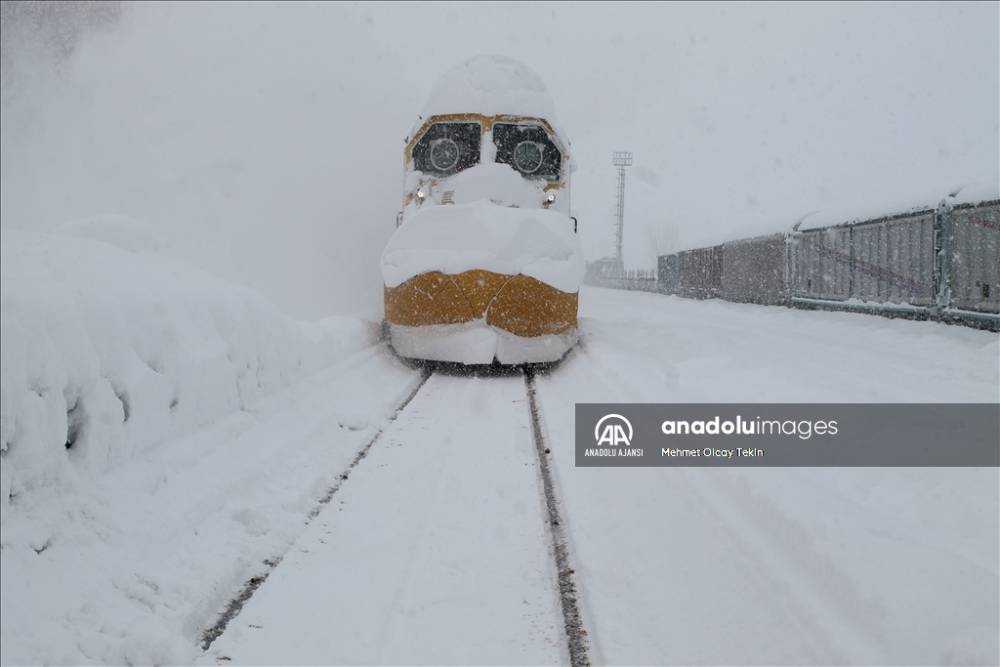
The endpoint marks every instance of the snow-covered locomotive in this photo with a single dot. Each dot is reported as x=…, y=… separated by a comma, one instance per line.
x=485, y=265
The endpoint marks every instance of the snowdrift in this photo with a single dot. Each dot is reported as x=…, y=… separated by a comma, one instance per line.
x=490, y=85
x=107, y=353
x=481, y=235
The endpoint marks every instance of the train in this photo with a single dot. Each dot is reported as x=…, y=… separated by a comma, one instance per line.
x=484, y=266
x=931, y=262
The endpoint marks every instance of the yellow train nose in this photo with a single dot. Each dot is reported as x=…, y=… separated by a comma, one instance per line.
x=528, y=307
x=519, y=304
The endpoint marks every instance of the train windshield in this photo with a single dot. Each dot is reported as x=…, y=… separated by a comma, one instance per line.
x=448, y=148
x=529, y=149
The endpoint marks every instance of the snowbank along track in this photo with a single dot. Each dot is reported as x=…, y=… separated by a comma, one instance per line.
x=575, y=634
x=234, y=606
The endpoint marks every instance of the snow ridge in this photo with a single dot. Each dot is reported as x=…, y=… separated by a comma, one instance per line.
x=107, y=353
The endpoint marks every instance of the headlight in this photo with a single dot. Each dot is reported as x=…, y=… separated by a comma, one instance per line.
x=529, y=149
x=448, y=148
x=444, y=154
x=528, y=157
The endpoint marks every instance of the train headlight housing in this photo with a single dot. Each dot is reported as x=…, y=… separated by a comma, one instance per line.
x=421, y=194
x=529, y=149
x=550, y=199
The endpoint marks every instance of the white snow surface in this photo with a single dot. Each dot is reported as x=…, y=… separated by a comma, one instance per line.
x=491, y=181
x=440, y=526
x=474, y=584
x=496, y=182
x=477, y=342
x=119, y=230
x=777, y=566
x=132, y=566
x=490, y=85
x=481, y=235
x=108, y=353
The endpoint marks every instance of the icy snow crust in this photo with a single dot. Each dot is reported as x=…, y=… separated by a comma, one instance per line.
x=107, y=353
x=456, y=238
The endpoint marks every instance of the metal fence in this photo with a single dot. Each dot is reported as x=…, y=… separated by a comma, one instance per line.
x=939, y=263
x=643, y=280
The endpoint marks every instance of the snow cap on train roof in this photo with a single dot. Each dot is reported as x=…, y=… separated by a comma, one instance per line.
x=490, y=85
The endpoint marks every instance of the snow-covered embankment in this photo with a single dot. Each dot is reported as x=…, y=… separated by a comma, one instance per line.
x=164, y=434
x=108, y=352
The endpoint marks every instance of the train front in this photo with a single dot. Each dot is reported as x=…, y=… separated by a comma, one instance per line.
x=485, y=265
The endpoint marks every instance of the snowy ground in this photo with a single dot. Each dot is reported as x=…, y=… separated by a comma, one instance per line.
x=434, y=550
x=778, y=566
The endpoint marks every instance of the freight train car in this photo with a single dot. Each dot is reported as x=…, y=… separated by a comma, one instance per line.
x=700, y=273
x=753, y=270
x=974, y=257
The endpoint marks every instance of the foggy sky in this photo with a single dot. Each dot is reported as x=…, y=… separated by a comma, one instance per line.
x=264, y=142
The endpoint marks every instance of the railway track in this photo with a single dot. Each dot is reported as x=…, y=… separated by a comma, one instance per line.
x=237, y=602
x=423, y=419
x=576, y=634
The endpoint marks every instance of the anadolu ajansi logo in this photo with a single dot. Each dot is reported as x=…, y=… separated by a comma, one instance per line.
x=613, y=430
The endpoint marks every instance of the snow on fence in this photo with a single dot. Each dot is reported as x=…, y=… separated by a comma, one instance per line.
x=939, y=263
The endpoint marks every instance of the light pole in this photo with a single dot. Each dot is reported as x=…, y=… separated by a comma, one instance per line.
x=620, y=159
